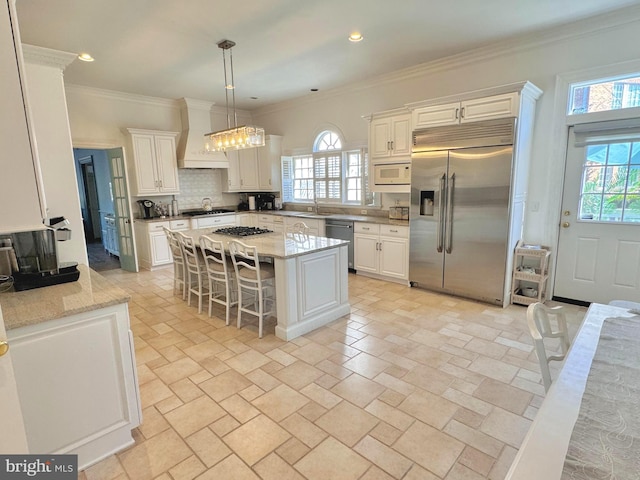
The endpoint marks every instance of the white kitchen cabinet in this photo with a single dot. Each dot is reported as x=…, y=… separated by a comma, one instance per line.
x=111, y=235
x=246, y=219
x=77, y=382
x=254, y=169
x=275, y=223
x=470, y=110
x=269, y=164
x=152, y=243
x=390, y=135
x=242, y=174
x=154, y=164
x=213, y=221
x=381, y=250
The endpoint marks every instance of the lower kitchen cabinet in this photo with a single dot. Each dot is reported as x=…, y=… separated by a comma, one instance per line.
x=110, y=235
x=213, y=221
x=152, y=244
x=77, y=383
x=382, y=250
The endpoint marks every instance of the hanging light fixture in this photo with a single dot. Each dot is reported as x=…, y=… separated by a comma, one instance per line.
x=234, y=137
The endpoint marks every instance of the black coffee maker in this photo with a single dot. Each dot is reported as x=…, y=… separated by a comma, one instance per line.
x=146, y=208
x=265, y=201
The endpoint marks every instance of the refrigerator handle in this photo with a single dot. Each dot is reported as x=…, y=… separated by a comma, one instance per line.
x=452, y=185
x=440, y=224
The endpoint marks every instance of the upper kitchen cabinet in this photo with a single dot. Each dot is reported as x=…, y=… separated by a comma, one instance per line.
x=466, y=108
x=254, y=169
x=154, y=163
x=269, y=164
x=21, y=184
x=390, y=135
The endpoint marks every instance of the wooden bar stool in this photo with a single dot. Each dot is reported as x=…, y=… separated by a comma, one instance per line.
x=220, y=273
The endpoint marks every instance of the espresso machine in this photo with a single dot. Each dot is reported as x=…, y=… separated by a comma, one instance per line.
x=146, y=208
x=265, y=201
x=33, y=256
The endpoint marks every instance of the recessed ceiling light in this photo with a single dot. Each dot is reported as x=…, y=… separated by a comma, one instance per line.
x=355, y=37
x=85, y=57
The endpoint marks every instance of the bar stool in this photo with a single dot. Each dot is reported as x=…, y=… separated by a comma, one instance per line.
x=194, y=269
x=220, y=272
x=540, y=328
x=299, y=228
x=178, y=262
x=256, y=283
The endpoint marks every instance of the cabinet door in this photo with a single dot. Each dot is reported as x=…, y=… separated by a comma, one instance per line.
x=394, y=257
x=379, y=137
x=233, y=172
x=269, y=169
x=401, y=136
x=496, y=106
x=160, y=251
x=365, y=252
x=145, y=164
x=446, y=114
x=248, y=163
x=167, y=165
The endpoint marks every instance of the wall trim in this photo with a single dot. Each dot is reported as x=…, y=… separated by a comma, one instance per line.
x=74, y=89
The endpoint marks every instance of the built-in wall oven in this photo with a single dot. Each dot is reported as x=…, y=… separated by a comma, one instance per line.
x=342, y=230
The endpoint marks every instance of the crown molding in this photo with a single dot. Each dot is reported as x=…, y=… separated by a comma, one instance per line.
x=47, y=56
x=72, y=89
x=516, y=44
x=195, y=104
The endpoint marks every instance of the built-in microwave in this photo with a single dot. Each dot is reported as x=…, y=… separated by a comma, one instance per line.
x=392, y=174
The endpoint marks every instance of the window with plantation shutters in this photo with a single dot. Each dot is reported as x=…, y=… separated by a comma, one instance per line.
x=328, y=175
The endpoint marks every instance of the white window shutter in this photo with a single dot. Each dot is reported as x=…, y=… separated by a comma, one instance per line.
x=287, y=179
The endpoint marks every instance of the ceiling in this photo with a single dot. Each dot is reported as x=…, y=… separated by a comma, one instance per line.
x=284, y=48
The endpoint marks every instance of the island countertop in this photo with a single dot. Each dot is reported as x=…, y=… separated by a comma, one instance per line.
x=277, y=245
x=90, y=292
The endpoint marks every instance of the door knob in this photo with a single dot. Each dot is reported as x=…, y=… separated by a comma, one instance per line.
x=565, y=225
x=4, y=348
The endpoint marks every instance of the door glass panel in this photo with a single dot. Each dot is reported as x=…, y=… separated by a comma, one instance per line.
x=611, y=183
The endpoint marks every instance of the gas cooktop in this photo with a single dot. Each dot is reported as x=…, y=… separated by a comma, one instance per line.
x=242, y=231
x=195, y=213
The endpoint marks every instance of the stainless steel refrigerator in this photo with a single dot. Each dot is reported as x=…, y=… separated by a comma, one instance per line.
x=460, y=208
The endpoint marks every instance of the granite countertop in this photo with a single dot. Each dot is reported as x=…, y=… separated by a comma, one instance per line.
x=291, y=213
x=277, y=245
x=91, y=292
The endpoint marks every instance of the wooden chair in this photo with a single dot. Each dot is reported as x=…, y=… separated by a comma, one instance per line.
x=194, y=269
x=538, y=318
x=256, y=283
x=179, y=269
x=220, y=273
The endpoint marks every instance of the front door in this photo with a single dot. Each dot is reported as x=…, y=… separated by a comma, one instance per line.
x=599, y=243
x=122, y=210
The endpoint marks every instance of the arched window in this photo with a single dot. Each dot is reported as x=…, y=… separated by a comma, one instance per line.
x=328, y=175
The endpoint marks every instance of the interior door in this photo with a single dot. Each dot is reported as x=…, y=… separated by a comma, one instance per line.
x=13, y=438
x=122, y=210
x=599, y=243
x=477, y=224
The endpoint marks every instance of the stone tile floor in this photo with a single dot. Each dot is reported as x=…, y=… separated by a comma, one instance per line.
x=410, y=385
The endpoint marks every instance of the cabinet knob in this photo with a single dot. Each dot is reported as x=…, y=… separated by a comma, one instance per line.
x=4, y=348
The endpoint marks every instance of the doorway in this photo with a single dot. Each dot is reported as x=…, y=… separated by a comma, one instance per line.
x=599, y=242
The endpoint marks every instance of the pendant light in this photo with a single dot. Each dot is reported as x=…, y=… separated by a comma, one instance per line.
x=234, y=137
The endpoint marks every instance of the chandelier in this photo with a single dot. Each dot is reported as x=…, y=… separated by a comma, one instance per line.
x=234, y=137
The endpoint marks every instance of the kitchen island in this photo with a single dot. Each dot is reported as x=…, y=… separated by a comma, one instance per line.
x=311, y=275
x=74, y=364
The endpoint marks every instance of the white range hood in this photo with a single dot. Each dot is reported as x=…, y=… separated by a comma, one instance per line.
x=196, y=122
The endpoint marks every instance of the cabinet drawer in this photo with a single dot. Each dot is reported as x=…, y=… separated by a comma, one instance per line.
x=157, y=226
x=267, y=218
x=371, y=228
x=394, y=231
x=213, y=221
x=180, y=224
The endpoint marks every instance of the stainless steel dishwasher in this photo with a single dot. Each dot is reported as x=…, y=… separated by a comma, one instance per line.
x=342, y=230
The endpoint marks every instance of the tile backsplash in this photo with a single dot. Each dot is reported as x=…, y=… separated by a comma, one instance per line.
x=196, y=184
